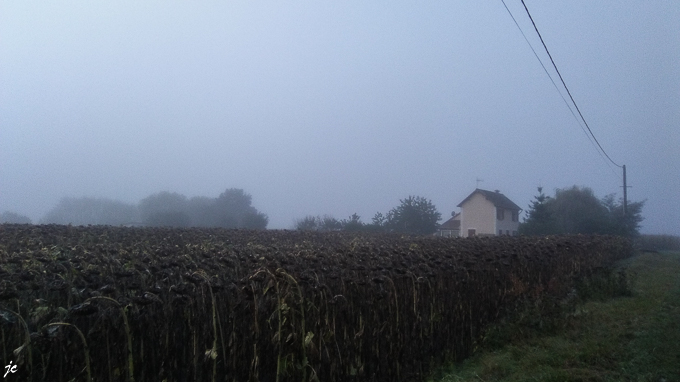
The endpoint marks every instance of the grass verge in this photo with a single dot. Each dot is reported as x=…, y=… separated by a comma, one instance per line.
x=605, y=338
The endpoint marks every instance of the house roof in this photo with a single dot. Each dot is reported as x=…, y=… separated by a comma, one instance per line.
x=496, y=198
x=452, y=223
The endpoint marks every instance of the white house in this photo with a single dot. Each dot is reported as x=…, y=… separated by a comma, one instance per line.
x=484, y=213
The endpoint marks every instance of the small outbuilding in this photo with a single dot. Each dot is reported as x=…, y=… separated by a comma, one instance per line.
x=450, y=228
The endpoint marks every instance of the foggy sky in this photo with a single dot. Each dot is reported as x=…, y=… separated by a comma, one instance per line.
x=336, y=107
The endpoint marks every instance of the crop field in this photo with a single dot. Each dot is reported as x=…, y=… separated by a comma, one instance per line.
x=159, y=304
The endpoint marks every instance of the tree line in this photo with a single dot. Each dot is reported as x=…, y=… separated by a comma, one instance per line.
x=574, y=210
x=577, y=210
x=231, y=209
x=415, y=215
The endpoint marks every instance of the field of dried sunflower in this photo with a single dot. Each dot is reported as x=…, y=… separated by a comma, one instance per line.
x=148, y=304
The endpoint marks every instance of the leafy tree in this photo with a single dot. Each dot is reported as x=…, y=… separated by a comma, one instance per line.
x=83, y=211
x=627, y=224
x=326, y=223
x=308, y=223
x=379, y=220
x=539, y=220
x=230, y=206
x=329, y=223
x=233, y=209
x=353, y=223
x=202, y=212
x=14, y=218
x=165, y=209
x=578, y=210
x=415, y=215
x=255, y=220
x=378, y=224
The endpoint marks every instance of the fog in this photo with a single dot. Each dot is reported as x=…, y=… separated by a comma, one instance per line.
x=336, y=108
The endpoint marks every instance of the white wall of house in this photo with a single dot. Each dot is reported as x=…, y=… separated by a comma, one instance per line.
x=507, y=226
x=457, y=232
x=479, y=214
x=448, y=233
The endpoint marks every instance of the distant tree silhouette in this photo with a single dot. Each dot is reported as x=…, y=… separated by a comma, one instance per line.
x=231, y=209
x=165, y=209
x=255, y=220
x=379, y=219
x=624, y=225
x=326, y=223
x=307, y=223
x=353, y=223
x=577, y=210
x=14, y=218
x=539, y=220
x=85, y=210
x=168, y=219
x=415, y=215
x=329, y=223
x=202, y=212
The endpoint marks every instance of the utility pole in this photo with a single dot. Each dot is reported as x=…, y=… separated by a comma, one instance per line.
x=625, y=192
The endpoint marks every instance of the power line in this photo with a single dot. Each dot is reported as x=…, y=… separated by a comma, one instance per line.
x=565, y=86
x=550, y=77
x=571, y=110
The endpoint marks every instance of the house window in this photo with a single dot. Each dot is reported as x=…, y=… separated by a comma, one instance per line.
x=500, y=232
x=514, y=233
x=500, y=213
x=472, y=232
x=507, y=232
x=515, y=216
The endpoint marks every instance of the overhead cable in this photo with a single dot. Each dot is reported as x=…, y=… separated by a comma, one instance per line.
x=571, y=110
x=565, y=86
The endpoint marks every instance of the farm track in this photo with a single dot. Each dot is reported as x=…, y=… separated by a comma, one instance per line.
x=144, y=304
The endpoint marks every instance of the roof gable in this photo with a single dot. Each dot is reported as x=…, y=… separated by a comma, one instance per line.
x=496, y=198
x=452, y=223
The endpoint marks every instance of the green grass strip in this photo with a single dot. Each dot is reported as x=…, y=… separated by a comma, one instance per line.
x=633, y=338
